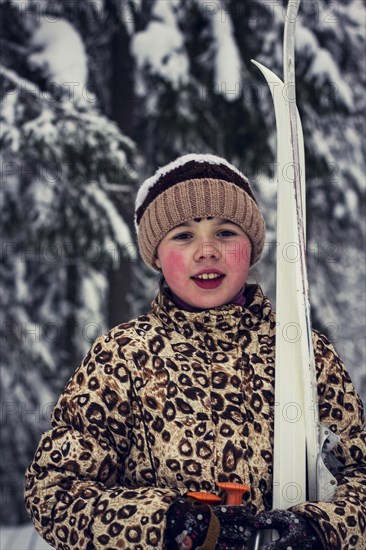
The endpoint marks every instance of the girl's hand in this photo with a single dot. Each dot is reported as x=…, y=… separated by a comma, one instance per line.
x=191, y=524
x=236, y=526
x=294, y=531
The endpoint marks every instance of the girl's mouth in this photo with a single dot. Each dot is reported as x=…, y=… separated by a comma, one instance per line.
x=209, y=283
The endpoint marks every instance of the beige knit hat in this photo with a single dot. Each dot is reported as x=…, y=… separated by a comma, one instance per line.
x=195, y=186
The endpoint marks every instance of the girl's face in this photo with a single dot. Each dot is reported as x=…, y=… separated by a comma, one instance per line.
x=209, y=245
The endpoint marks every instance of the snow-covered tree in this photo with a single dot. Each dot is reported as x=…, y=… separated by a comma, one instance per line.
x=198, y=91
x=62, y=231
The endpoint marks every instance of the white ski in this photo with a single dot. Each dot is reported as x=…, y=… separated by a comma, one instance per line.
x=299, y=471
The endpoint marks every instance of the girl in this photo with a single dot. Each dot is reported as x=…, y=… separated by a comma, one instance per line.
x=182, y=397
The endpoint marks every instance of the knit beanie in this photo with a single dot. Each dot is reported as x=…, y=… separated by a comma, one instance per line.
x=195, y=186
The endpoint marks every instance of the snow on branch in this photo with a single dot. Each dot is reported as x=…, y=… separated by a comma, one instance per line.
x=167, y=57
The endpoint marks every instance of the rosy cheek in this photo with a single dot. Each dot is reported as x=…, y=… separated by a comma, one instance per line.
x=173, y=263
x=236, y=255
x=231, y=253
x=246, y=252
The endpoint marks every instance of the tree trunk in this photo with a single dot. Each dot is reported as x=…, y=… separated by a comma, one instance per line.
x=122, y=102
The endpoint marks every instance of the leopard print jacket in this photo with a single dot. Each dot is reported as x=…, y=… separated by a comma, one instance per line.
x=173, y=401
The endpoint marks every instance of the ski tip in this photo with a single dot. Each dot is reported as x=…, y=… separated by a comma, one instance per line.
x=259, y=66
x=272, y=78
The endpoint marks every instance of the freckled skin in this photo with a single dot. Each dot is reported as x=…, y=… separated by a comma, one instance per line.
x=205, y=245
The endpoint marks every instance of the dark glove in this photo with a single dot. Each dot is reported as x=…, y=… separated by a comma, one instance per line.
x=295, y=531
x=236, y=526
x=191, y=524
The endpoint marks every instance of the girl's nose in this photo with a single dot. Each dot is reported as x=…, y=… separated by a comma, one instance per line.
x=207, y=249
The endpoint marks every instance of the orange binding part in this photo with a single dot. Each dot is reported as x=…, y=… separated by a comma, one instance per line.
x=234, y=491
x=207, y=498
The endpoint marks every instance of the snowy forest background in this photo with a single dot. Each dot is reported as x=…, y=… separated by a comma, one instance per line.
x=95, y=96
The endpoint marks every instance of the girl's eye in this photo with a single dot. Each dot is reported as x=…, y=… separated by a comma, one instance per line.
x=179, y=237
x=228, y=231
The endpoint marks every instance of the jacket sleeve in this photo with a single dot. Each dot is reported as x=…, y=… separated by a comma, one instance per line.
x=342, y=522
x=75, y=493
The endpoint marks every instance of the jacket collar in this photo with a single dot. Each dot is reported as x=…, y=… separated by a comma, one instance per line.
x=225, y=319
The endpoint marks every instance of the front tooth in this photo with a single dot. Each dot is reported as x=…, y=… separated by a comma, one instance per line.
x=208, y=276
